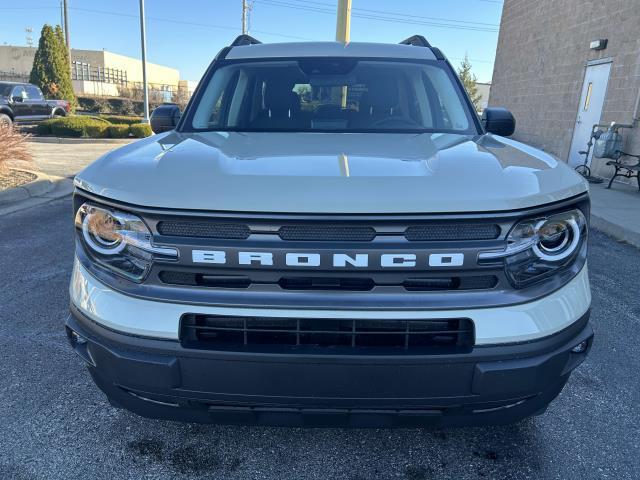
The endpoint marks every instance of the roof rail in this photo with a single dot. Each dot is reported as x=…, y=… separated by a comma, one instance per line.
x=242, y=40
x=416, y=41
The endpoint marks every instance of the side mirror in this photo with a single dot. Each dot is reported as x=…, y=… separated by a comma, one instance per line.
x=17, y=98
x=165, y=118
x=499, y=121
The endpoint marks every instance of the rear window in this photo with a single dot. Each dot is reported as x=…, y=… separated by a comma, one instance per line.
x=321, y=94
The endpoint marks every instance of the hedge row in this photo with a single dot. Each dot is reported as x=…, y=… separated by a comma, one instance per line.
x=92, y=127
x=117, y=106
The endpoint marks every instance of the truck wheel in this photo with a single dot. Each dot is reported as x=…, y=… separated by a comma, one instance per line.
x=5, y=121
x=59, y=113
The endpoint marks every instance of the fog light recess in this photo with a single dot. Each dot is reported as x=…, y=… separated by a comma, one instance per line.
x=581, y=347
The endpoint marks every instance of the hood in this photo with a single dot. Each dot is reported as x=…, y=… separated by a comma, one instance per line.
x=330, y=173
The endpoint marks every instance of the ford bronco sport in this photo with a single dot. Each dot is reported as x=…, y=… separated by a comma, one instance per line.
x=329, y=235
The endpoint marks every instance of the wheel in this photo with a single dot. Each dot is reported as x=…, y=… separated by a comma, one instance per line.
x=583, y=170
x=59, y=113
x=5, y=121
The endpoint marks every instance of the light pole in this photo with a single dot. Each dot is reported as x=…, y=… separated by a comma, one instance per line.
x=244, y=17
x=145, y=87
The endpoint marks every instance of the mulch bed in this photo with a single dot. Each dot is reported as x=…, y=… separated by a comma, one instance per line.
x=10, y=178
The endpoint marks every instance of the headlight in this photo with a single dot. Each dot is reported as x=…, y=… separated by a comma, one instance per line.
x=118, y=241
x=538, y=248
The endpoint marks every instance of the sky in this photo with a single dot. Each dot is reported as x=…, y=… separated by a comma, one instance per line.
x=187, y=34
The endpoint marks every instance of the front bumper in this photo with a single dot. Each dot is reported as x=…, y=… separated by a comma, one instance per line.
x=491, y=385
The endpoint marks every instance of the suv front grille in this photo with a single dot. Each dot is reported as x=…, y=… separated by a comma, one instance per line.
x=304, y=335
x=330, y=232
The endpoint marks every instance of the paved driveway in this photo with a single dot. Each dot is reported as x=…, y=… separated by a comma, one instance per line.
x=68, y=157
x=55, y=424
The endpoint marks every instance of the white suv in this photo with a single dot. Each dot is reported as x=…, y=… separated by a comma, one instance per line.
x=329, y=235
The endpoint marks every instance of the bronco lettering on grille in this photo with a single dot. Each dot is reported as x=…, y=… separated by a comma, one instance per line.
x=336, y=260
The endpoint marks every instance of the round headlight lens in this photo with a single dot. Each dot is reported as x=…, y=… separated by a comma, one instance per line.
x=558, y=237
x=100, y=230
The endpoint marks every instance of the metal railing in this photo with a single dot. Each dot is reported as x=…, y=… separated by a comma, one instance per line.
x=86, y=71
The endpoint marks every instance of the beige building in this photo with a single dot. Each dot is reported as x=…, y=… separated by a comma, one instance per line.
x=94, y=72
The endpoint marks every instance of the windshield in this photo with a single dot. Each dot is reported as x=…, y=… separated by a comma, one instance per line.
x=5, y=89
x=323, y=94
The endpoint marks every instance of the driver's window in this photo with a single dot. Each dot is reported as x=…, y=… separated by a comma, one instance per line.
x=19, y=92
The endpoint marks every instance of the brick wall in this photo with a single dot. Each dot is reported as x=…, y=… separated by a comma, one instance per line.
x=542, y=53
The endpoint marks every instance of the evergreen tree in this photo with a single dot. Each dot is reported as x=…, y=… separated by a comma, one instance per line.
x=51, y=67
x=469, y=81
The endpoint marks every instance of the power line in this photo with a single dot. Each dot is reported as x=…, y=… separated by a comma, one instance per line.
x=309, y=8
x=182, y=22
x=399, y=14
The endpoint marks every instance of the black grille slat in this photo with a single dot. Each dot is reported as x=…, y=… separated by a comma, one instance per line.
x=326, y=283
x=204, y=280
x=335, y=335
x=232, y=231
x=452, y=232
x=326, y=233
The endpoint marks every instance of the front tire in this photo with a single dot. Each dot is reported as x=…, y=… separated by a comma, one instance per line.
x=58, y=113
x=5, y=121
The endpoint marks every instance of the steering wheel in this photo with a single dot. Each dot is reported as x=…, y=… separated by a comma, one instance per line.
x=395, y=121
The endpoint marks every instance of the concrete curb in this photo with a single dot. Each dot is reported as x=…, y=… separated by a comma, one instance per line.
x=40, y=186
x=42, y=190
x=616, y=231
x=115, y=141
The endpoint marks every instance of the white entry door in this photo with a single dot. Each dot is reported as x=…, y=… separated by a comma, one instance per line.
x=594, y=91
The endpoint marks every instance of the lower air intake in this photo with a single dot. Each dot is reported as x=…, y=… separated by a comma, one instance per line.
x=327, y=336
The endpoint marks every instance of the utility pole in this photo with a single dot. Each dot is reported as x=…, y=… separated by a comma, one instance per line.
x=343, y=25
x=145, y=87
x=343, y=34
x=66, y=26
x=244, y=17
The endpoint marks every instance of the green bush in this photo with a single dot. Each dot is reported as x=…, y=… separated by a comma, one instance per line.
x=76, y=126
x=102, y=120
x=121, y=106
x=121, y=119
x=97, y=130
x=140, y=130
x=119, y=131
x=44, y=128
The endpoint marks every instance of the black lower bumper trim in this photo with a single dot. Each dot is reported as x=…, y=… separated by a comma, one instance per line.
x=489, y=385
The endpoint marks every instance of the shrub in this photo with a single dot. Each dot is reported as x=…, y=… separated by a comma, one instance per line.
x=141, y=130
x=97, y=130
x=44, y=128
x=119, y=131
x=13, y=147
x=78, y=126
x=121, y=106
x=127, y=107
x=121, y=119
x=98, y=119
x=93, y=104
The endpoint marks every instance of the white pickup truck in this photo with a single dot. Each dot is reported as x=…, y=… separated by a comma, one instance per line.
x=329, y=235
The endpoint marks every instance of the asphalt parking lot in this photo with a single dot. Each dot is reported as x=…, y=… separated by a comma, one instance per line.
x=55, y=424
